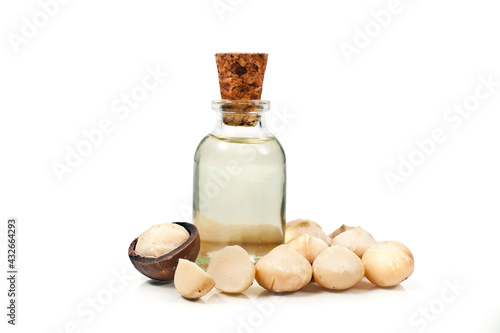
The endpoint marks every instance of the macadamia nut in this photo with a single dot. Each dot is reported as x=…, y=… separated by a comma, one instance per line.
x=232, y=269
x=358, y=240
x=337, y=232
x=283, y=269
x=299, y=227
x=338, y=268
x=161, y=239
x=309, y=246
x=191, y=281
x=388, y=263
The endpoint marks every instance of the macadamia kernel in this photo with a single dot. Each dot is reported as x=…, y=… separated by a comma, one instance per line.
x=358, y=240
x=283, y=269
x=309, y=246
x=191, y=281
x=338, y=268
x=232, y=269
x=388, y=263
x=299, y=227
x=161, y=239
x=337, y=232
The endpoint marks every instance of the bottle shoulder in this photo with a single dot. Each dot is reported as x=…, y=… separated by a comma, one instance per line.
x=281, y=148
x=200, y=147
x=239, y=147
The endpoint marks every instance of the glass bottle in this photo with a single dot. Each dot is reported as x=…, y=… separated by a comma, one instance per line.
x=239, y=182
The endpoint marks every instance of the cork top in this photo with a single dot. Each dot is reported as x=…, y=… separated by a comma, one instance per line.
x=241, y=76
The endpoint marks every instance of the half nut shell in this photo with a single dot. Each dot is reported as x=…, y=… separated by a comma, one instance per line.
x=163, y=267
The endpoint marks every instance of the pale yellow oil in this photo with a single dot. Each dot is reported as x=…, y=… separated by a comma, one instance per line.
x=239, y=195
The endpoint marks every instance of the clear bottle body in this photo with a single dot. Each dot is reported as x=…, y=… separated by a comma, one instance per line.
x=239, y=186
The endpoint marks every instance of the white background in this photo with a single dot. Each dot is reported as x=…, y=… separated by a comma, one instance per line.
x=345, y=125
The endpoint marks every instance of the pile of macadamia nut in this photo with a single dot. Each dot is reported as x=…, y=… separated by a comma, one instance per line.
x=338, y=261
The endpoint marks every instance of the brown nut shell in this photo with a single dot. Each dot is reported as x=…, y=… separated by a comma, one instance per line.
x=163, y=267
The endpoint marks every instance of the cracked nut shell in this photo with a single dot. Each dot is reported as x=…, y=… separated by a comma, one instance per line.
x=163, y=267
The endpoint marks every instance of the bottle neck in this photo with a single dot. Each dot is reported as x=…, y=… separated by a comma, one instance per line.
x=241, y=119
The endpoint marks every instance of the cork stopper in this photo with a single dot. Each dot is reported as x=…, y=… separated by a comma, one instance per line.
x=241, y=76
